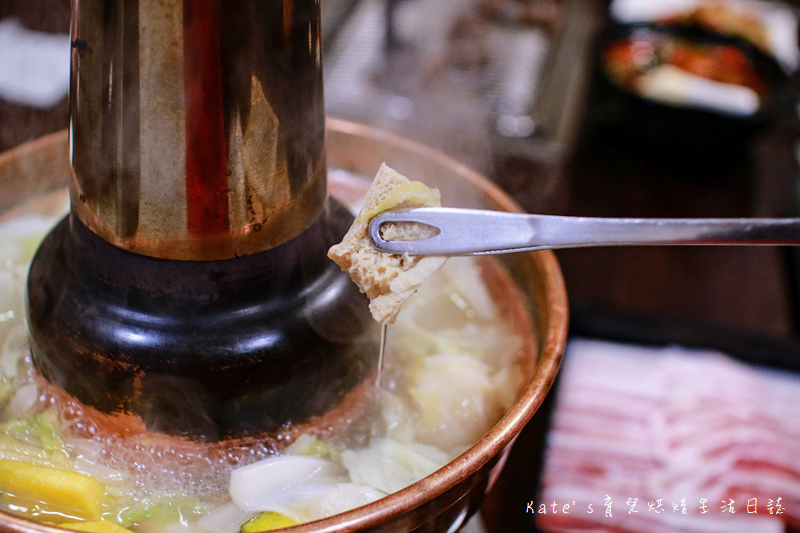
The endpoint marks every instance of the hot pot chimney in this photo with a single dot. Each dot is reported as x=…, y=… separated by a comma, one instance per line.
x=189, y=285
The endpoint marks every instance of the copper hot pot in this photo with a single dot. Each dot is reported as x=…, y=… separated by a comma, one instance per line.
x=444, y=500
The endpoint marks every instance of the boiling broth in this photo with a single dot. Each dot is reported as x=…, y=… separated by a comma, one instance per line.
x=454, y=363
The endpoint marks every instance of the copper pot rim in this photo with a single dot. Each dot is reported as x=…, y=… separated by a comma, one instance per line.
x=553, y=337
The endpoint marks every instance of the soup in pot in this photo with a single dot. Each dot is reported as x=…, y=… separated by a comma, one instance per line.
x=455, y=361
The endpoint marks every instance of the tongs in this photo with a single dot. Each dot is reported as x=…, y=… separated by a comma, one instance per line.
x=477, y=232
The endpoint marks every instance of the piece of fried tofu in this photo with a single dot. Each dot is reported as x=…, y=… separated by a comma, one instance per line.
x=387, y=279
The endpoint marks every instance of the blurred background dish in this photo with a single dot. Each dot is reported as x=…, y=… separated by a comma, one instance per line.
x=767, y=24
x=679, y=87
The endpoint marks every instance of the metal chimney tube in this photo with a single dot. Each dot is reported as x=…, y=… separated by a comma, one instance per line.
x=198, y=125
x=190, y=286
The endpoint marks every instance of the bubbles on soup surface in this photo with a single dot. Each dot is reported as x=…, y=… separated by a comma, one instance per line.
x=455, y=360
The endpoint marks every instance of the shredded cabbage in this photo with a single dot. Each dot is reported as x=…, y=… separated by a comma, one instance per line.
x=301, y=487
x=454, y=400
x=450, y=374
x=390, y=465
